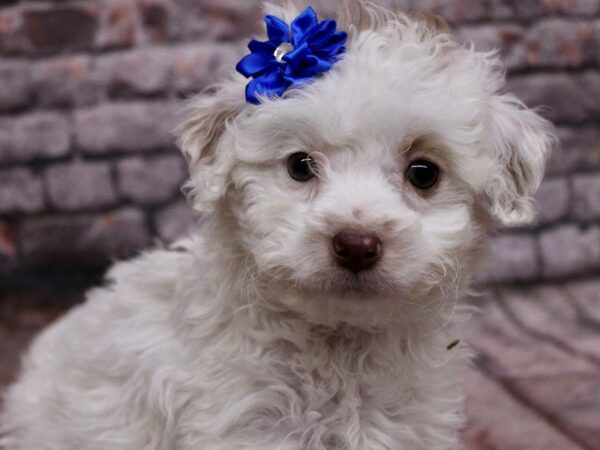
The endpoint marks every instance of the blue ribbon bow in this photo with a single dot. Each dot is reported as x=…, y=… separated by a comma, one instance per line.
x=293, y=56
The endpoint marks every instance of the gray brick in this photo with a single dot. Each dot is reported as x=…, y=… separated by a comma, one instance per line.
x=584, y=7
x=20, y=191
x=78, y=185
x=596, y=38
x=125, y=127
x=558, y=43
x=497, y=9
x=579, y=149
x=146, y=71
x=8, y=245
x=8, y=248
x=12, y=37
x=199, y=65
x=513, y=258
x=500, y=9
x=553, y=200
x=151, y=181
x=157, y=20
x=586, y=196
x=504, y=37
x=118, y=25
x=7, y=152
x=175, y=221
x=462, y=11
x=455, y=10
x=67, y=81
x=566, y=98
x=15, y=91
x=69, y=27
x=569, y=250
x=83, y=240
x=534, y=8
x=38, y=135
x=217, y=19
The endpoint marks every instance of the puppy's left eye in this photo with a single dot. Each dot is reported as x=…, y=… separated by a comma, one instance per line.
x=300, y=166
x=422, y=174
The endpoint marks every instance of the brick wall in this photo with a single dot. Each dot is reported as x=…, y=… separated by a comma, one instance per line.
x=89, y=92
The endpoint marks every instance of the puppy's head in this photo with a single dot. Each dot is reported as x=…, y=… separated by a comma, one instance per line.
x=362, y=197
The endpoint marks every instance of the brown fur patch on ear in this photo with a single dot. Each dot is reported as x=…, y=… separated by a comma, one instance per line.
x=434, y=22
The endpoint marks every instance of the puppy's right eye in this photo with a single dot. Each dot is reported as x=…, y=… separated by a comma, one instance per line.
x=300, y=167
x=422, y=174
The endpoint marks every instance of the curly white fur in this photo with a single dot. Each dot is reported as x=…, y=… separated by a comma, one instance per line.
x=250, y=336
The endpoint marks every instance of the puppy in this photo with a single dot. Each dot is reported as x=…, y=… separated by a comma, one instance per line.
x=347, y=178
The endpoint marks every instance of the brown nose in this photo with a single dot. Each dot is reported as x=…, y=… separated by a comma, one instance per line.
x=356, y=251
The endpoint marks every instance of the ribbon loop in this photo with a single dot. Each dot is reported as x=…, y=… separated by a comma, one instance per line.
x=311, y=49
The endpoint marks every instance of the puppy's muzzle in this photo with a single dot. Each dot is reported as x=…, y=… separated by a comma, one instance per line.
x=357, y=251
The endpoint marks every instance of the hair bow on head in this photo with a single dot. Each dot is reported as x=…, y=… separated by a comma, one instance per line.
x=294, y=55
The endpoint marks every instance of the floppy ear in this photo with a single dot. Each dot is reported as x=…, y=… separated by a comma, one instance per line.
x=522, y=141
x=201, y=138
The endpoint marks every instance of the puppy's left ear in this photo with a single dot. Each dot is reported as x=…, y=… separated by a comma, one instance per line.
x=522, y=141
x=202, y=139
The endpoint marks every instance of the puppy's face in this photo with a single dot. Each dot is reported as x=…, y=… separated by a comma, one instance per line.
x=359, y=198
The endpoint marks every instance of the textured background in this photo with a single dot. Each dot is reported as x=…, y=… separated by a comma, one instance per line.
x=89, y=91
x=88, y=172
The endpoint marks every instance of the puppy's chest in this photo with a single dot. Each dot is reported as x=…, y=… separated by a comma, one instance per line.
x=338, y=402
x=324, y=395
x=311, y=397
x=335, y=386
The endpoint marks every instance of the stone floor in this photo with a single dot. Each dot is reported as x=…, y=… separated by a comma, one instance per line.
x=535, y=380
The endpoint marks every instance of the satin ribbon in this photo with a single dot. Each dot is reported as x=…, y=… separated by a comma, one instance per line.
x=316, y=47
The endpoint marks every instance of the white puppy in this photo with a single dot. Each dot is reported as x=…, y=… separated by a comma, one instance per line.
x=346, y=215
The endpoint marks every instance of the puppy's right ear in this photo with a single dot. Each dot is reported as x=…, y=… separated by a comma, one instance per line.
x=201, y=138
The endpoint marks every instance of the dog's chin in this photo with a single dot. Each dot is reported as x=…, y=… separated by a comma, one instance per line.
x=345, y=286
x=355, y=302
x=329, y=295
x=346, y=292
